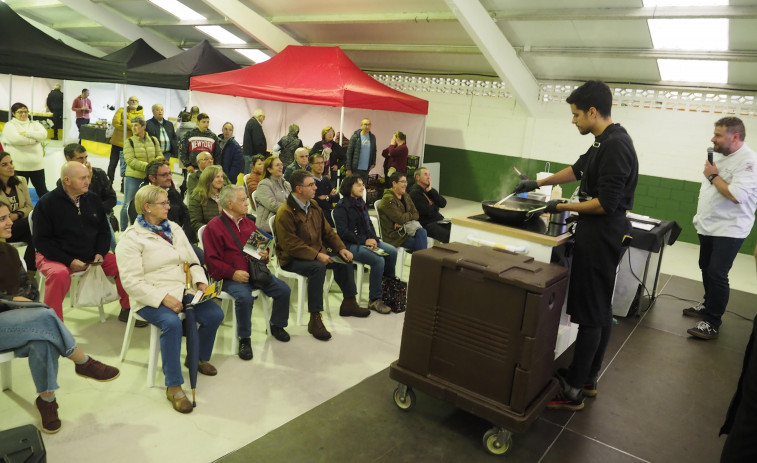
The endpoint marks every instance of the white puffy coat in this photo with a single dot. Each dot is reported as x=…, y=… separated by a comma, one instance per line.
x=150, y=267
x=26, y=150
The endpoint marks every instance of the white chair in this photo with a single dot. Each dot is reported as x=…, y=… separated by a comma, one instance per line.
x=360, y=267
x=152, y=360
x=253, y=201
x=251, y=205
x=400, y=250
x=302, y=281
x=74, y=283
x=227, y=304
x=6, y=372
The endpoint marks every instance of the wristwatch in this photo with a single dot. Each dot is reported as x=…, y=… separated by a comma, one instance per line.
x=712, y=177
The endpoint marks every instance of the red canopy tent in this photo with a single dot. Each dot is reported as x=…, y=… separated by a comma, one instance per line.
x=310, y=75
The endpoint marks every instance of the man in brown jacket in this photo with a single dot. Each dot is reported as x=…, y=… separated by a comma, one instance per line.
x=306, y=244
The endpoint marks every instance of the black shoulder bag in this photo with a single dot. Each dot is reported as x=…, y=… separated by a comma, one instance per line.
x=260, y=276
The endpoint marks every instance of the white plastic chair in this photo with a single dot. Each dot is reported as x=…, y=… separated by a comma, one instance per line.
x=6, y=372
x=74, y=283
x=302, y=281
x=360, y=267
x=253, y=201
x=400, y=250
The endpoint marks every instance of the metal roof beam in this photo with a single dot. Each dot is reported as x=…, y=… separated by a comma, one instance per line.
x=732, y=56
x=19, y=5
x=253, y=24
x=593, y=14
x=418, y=17
x=71, y=42
x=121, y=26
x=498, y=52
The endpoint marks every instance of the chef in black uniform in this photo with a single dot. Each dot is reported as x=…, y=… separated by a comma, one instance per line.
x=608, y=172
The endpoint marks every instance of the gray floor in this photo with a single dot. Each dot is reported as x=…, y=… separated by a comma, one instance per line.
x=662, y=398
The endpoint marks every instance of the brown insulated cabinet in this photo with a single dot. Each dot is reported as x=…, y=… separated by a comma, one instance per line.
x=480, y=332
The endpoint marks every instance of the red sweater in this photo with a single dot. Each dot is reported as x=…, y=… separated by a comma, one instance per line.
x=222, y=255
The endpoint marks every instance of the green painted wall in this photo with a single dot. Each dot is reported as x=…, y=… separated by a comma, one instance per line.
x=478, y=176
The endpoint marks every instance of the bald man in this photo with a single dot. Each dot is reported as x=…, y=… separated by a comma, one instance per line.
x=71, y=232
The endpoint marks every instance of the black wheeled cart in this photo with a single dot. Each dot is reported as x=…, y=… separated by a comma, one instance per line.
x=480, y=332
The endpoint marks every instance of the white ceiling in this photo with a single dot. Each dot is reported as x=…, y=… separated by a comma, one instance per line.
x=554, y=39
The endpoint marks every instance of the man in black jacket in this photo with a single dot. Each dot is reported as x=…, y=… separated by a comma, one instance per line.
x=54, y=104
x=163, y=130
x=254, y=141
x=99, y=183
x=71, y=232
x=428, y=201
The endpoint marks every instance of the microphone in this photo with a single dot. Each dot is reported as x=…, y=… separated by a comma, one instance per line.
x=709, y=154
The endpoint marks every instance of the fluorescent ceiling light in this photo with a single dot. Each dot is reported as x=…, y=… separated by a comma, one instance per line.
x=680, y=70
x=178, y=9
x=256, y=56
x=689, y=34
x=684, y=2
x=220, y=34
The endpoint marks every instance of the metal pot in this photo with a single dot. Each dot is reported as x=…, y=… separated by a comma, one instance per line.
x=514, y=211
x=560, y=218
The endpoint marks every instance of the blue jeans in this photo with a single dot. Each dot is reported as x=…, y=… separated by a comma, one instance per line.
x=122, y=163
x=417, y=242
x=42, y=337
x=716, y=256
x=131, y=185
x=315, y=271
x=208, y=315
x=243, y=301
x=380, y=266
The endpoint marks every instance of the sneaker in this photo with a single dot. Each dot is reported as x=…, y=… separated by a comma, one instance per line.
x=563, y=400
x=703, y=330
x=97, y=370
x=589, y=387
x=48, y=413
x=124, y=317
x=316, y=328
x=279, y=333
x=350, y=308
x=245, y=349
x=379, y=306
x=696, y=311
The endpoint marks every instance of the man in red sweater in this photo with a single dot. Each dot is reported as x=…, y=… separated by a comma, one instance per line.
x=226, y=261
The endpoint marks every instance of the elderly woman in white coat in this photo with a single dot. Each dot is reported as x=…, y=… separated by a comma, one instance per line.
x=22, y=139
x=151, y=255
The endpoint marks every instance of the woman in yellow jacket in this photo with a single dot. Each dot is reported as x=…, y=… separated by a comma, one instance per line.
x=122, y=122
x=140, y=150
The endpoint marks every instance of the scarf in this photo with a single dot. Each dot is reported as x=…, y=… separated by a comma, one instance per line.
x=163, y=230
x=362, y=225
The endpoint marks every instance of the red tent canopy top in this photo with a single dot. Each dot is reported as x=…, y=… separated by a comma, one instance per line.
x=310, y=75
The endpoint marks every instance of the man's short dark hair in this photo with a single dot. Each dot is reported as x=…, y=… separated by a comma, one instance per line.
x=593, y=93
x=298, y=178
x=418, y=172
x=84, y=90
x=732, y=125
x=152, y=168
x=202, y=116
x=71, y=149
x=194, y=110
x=346, y=188
x=311, y=160
x=395, y=177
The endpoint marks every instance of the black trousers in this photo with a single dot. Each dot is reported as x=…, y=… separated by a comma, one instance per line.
x=115, y=156
x=37, y=177
x=741, y=421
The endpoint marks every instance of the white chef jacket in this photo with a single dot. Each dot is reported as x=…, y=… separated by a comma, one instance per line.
x=717, y=215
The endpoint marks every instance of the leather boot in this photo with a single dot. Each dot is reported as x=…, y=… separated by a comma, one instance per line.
x=316, y=328
x=350, y=308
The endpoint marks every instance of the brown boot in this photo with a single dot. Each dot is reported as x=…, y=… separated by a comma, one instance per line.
x=316, y=328
x=350, y=308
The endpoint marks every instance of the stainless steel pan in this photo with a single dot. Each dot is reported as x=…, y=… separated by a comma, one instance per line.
x=514, y=211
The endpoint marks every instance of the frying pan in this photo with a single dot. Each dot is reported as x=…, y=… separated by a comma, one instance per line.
x=514, y=211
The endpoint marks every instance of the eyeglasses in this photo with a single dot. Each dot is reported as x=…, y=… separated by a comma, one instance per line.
x=166, y=174
x=22, y=111
x=309, y=185
x=163, y=203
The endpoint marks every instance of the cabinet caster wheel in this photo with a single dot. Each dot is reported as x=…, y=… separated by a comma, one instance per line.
x=497, y=441
x=404, y=397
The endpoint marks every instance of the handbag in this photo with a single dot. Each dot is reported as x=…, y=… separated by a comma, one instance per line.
x=394, y=294
x=260, y=276
x=94, y=288
x=411, y=226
